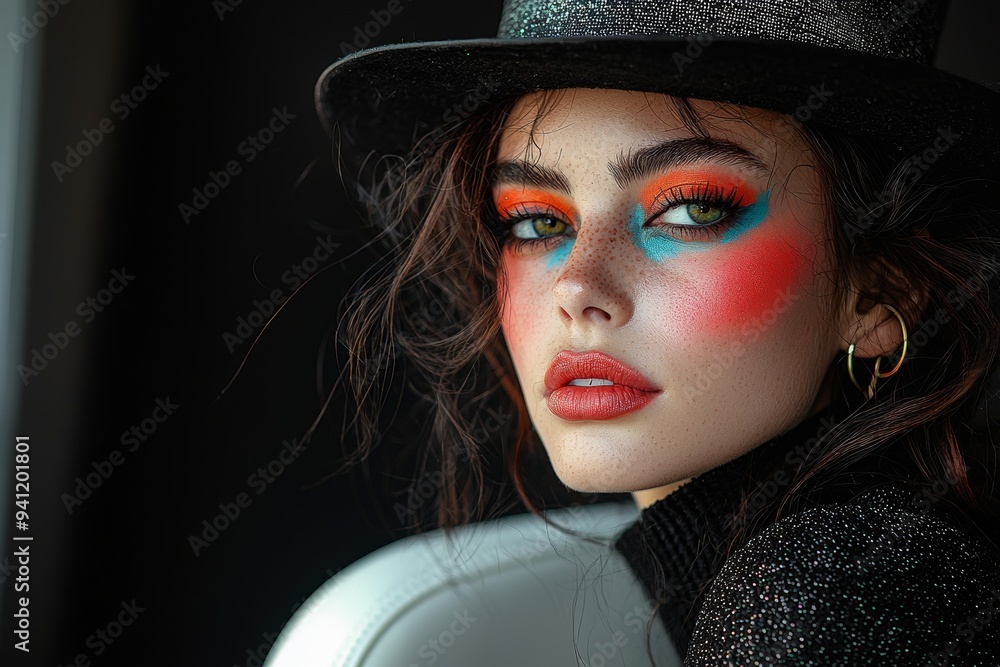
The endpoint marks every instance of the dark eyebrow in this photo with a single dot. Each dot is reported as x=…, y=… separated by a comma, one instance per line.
x=519, y=172
x=631, y=168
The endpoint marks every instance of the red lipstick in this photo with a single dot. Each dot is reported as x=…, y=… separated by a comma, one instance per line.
x=605, y=387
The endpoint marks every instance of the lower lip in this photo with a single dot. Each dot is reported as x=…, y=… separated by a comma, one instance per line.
x=601, y=402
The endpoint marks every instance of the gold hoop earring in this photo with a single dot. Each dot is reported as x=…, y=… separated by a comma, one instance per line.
x=870, y=390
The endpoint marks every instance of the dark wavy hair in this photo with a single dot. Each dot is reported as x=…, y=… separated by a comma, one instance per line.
x=430, y=313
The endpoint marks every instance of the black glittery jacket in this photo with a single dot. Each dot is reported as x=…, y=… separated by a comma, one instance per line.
x=883, y=577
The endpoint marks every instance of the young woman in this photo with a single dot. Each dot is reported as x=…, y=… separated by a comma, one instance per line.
x=737, y=259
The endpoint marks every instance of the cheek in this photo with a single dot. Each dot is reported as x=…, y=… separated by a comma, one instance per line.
x=753, y=283
x=519, y=304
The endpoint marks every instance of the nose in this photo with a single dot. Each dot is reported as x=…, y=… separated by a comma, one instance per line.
x=593, y=284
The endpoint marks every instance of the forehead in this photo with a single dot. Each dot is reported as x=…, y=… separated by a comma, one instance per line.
x=547, y=124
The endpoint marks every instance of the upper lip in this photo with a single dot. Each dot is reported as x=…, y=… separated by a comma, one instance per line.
x=569, y=365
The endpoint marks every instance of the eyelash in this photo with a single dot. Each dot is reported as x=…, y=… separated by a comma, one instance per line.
x=711, y=196
x=519, y=213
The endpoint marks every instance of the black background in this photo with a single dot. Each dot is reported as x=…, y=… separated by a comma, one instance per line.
x=162, y=336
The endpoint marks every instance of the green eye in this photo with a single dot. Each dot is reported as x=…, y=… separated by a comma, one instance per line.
x=704, y=214
x=538, y=227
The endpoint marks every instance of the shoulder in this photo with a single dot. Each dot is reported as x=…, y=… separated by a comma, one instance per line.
x=871, y=581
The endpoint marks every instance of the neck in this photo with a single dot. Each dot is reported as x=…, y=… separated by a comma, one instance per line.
x=647, y=497
x=677, y=545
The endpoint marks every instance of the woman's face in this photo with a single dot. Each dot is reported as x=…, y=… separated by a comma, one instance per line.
x=697, y=264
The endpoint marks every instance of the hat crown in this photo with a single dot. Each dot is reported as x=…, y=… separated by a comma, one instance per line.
x=907, y=30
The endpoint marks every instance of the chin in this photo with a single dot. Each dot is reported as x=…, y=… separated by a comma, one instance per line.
x=588, y=484
x=585, y=466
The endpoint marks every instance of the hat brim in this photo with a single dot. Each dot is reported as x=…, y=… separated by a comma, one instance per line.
x=380, y=98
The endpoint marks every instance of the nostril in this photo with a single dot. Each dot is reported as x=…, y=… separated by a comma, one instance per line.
x=593, y=312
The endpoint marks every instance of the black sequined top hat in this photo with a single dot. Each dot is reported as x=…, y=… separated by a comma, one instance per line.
x=863, y=66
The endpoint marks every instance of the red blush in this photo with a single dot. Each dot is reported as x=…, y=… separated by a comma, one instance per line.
x=756, y=283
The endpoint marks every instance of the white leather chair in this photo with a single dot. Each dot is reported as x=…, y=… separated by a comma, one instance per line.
x=513, y=593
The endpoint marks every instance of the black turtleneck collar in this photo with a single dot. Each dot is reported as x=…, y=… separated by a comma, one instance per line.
x=682, y=537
